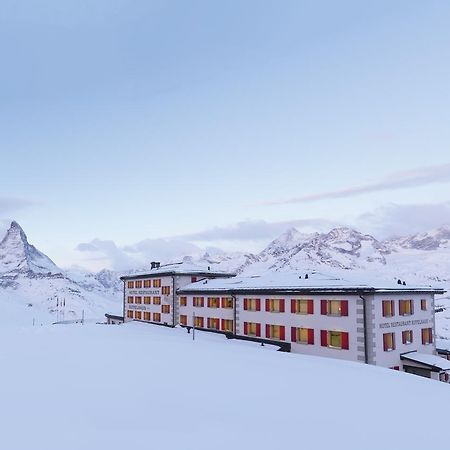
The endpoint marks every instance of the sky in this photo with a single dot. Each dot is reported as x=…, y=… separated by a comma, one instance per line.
x=127, y=126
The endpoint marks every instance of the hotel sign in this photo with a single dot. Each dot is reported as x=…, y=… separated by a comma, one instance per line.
x=145, y=292
x=404, y=323
x=138, y=307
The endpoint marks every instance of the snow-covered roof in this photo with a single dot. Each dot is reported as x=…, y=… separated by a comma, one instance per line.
x=287, y=282
x=431, y=361
x=182, y=268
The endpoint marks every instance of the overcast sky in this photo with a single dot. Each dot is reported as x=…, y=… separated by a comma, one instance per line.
x=221, y=123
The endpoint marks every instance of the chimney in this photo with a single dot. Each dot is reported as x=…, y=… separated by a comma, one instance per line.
x=155, y=265
x=404, y=283
x=399, y=281
x=306, y=276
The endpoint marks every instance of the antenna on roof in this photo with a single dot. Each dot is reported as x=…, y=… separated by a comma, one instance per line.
x=399, y=281
x=300, y=277
x=404, y=283
x=306, y=276
x=209, y=267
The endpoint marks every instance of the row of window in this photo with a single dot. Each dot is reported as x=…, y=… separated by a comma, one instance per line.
x=138, y=315
x=212, y=323
x=213, y=302
x=147, y=300
x=405, y=307
x=407, y=338
x=138, y=284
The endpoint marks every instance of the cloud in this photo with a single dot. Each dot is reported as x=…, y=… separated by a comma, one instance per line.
x=398, y=180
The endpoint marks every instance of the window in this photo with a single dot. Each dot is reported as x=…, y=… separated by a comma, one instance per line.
x=213, y=323
x=165, y=309
x=213, y=302
x=427, y=336
x=183, y=320
x=183, y=301
x=274, y=305
x=157, y=283
x=252, y=304
x=193, y=279
x=130, y=314
x=407, y=337
x=388, y=308
x=275, y=332
x=165, y=290
x=227, y=325
x=334, y=339
x=198, y=301
x=138, y=300
x=252, y=329
x=138, y=284
x=198, y=322
x=147, y=283
x=156, y=300
x=130, y=284
x=423, y=305
x=334, y=307
x=130, y=300
x=138, y=315
x=388, y=342
x=147, y=300
x=156, y=317
x=302, y=335
x=227, y=302
x=302, y=306
x=405, y=307
x=147, y=316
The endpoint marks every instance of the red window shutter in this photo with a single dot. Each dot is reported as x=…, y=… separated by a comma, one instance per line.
x=202, y=321
x=293, y=307
x=267, y=331
x=258, y=330
x=344, y=307
x=310, y=306
x=344, y=340
x=383, y=308
x=245, y=328
x=203, y=302
x=258, y=304
x=393, y=307
x=223, y=303
x=245, y=304
x=267, y=304
x=223, y=324
x=293, y=334
x=310, y=336
x=323, y=307
x=282, y=332
x=282, y=309
x=385, y=346
x=404, y=337
x=324, y=337
x=423, y=336
x=209, y=322
x=209, y=302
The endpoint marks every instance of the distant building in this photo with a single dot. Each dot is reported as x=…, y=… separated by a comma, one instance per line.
x=390, y=325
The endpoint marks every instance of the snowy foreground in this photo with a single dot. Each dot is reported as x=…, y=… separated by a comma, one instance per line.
x=139, y=386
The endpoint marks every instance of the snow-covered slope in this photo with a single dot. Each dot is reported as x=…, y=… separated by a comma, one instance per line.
x=64, y=387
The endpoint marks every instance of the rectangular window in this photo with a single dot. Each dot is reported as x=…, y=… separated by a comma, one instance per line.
x=427, y=336
x=138, y=300
x=147, y=300
x=147, y=316
x=199, y=322
x=227, y=325
x=130, y=300
x=156, y=317
x=275, y=305
x=198, y=301
x=183, y=301
x=335, y=308
x=302, y=306
x=138, y=284
x=407, y=337
x=252, y=304
x=183, y=320
x=334, y=339
x=252, y=329
x=227, y=302
x=165, y=309
x=157, y=283
x=275, y=332
x=147, y=283
x=130, y=284
x=138, y=315
x=388, y=308
x=302, y=335
x=156, y=300
x=213, y=323
x=213, y=302
x=423, y=305
x=165, y=290
x=388, y=342
x=405, y=307
x=130, y=314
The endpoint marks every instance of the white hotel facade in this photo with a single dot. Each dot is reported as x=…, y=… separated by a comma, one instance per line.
x=386, y=325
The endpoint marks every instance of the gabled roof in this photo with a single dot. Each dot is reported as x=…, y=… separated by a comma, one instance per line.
x=436, y=363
